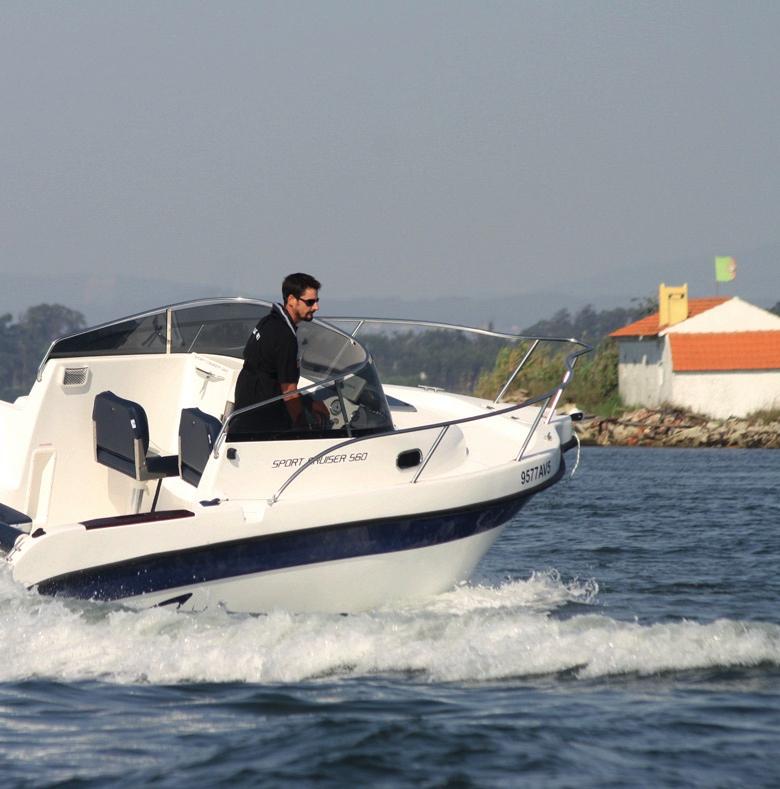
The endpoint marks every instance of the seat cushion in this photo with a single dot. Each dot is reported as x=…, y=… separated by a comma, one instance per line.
x=163, y=465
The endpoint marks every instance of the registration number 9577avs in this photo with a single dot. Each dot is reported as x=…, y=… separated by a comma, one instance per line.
x=529, y=475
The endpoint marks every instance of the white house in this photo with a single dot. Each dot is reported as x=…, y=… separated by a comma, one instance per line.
x=718, y=356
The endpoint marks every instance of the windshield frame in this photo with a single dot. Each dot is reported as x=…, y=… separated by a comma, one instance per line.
x=169, y=312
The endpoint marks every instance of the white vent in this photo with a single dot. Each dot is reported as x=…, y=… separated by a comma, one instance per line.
x=75, y=376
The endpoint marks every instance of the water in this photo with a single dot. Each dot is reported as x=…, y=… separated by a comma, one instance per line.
x=626, y=631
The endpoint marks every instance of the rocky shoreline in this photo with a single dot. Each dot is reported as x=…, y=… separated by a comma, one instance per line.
x=676, y=428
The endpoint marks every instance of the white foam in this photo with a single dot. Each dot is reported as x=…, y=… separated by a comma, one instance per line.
x=469, y=634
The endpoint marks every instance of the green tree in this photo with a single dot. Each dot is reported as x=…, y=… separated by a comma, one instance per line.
x=594, y=386
x=9, y=355
x=23, y=344
x=440, y=357
x=589, y=325
x=481, y=365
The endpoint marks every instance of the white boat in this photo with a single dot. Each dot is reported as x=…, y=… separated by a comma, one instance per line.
x=126, y=476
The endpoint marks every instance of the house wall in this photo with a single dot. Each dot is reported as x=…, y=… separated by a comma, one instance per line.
x=725, y=394
x=642, y=371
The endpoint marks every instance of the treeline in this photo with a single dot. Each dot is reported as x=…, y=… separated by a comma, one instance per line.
x=481, y=365
x=589, y=325
x=593, y=388
x=24, y=342
x=441, y=358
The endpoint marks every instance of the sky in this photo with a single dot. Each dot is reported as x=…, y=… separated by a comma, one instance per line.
x=406, y=149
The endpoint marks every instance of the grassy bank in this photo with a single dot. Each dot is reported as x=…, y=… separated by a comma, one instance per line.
x=594, y=387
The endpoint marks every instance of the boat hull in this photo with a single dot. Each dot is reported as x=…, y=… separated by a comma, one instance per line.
x=344, y=567
x=341, y=586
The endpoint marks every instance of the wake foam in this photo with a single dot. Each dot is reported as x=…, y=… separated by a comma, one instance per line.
x=474, y=633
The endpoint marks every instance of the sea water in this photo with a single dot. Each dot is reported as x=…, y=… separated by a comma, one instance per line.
x=624, y=630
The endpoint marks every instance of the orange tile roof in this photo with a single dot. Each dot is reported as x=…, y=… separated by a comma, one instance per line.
x=648, y=327
x=744, y=350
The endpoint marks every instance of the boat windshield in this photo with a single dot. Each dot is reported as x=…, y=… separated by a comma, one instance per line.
x=141, y=334
x=345, y=383
x=344, y=398
x=220, y=327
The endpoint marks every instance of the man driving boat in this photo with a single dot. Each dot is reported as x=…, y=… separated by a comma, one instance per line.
x=272, y=361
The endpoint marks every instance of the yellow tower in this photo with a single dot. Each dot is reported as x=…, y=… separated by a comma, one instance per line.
x=672, y=304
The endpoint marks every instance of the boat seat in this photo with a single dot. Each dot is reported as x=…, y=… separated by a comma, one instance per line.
x=197, y=433
x=122, y=440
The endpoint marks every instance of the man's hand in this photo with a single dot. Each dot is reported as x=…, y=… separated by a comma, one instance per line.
x=293, y=403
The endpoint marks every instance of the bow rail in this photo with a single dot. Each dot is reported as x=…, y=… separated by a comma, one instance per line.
x=548, y=400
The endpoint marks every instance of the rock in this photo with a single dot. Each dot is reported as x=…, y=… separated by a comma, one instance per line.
x=676, y=428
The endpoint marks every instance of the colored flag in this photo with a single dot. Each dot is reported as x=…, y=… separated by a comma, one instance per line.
x=725, y=269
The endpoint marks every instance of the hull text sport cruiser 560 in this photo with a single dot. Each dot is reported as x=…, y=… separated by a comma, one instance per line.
x=127, y=476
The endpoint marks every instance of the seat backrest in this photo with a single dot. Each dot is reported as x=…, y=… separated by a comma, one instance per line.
x=197, y=433
x=121, y=433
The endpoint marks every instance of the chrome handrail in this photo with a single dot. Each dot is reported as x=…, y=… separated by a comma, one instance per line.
x=517, y=370
x=473, y=330
x=433, y=448
x=440, y=325
x=552, y=395
x=416, y=429
x=535, y=424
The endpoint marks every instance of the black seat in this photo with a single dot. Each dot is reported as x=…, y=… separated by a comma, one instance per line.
x=122, y=439
x=197, y=433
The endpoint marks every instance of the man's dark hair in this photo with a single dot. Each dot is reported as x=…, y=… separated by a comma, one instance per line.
x=295, y=284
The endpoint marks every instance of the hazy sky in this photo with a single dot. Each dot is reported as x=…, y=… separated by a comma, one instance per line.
x=410, y=148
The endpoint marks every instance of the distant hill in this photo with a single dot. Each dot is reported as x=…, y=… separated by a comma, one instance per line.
x=101, y=297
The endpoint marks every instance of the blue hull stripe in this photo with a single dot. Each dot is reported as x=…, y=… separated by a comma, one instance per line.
x=252, y=555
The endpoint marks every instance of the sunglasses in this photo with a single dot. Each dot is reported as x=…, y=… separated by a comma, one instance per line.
x=309, y=302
